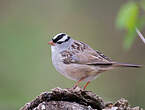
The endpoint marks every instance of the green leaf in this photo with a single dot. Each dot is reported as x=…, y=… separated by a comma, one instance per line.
x=131, y=34
x=128, y=19
x=129, y=38
x=128, y=16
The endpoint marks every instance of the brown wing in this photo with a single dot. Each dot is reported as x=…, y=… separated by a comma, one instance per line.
x=102, y=55
x=81, y=53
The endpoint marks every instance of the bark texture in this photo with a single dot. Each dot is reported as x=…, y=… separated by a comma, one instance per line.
x=74, y=99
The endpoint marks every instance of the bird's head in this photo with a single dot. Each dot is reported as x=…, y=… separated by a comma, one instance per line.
x=59, y=39
x=60, y=42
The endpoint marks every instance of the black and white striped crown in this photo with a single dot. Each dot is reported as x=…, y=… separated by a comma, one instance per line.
x=60, y=38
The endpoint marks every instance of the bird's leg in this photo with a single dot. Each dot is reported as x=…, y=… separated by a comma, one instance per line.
x=78, y=82
x=86, y=85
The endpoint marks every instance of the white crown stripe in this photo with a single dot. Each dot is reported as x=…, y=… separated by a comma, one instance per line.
x=63, y=38
x=57, y=35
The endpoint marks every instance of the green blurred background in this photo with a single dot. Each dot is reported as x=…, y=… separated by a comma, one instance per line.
x=26, y=69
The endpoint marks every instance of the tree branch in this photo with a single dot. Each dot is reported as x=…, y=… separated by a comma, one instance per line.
x=74, y=99
x=140, y=35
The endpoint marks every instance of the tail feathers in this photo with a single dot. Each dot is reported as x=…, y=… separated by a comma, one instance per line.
x=126, y=65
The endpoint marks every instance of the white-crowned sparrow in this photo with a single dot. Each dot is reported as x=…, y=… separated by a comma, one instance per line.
x=78, y=61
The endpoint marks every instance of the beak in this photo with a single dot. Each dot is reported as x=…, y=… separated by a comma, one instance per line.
x=51, y=43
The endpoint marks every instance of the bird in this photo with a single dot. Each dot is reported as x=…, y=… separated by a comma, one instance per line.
x=78, y=61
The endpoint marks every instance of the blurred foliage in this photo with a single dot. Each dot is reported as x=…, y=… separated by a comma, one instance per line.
x=129, y=18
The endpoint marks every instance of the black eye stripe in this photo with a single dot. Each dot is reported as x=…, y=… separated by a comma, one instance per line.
x=58, y=38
